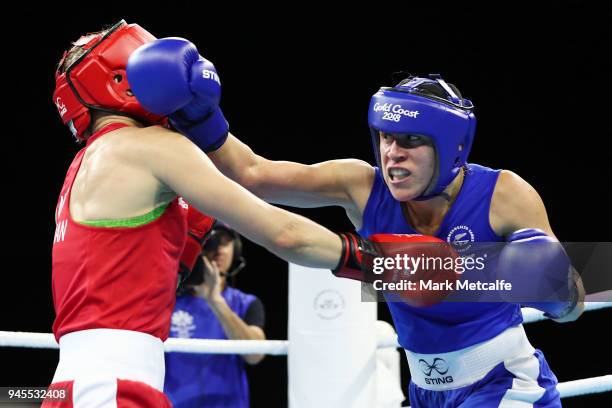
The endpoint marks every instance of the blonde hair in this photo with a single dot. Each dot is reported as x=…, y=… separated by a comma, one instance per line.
x=77, y=51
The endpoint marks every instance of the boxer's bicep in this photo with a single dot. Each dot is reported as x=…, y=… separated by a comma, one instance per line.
x=327, y=183
x=516, y=205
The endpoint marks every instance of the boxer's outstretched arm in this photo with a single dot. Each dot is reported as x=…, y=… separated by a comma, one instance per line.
x=346, y=183
x=170, y=77
x=186, y=170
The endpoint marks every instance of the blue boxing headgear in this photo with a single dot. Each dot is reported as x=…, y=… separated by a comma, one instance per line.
x=431, y=108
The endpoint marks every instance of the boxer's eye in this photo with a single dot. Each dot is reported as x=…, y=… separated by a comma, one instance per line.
x=411, y=141
x=387, y=138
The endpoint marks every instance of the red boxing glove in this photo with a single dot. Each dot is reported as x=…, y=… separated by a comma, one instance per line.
x=422, y=270
x=356, y=252
x=199, y=227
x=416, y=269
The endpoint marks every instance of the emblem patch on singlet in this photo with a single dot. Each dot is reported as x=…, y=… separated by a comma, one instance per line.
x=461, y=238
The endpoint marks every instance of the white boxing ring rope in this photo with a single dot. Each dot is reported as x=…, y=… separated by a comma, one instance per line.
x=203, y=346
x=280, y=347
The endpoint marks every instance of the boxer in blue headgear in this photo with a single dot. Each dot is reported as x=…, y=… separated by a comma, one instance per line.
x=468, y=354
x=425, y=111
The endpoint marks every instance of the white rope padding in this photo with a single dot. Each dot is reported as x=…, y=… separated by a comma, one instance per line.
x=594, y=385
x=274, y=347
x=205, y=346
x=534, y=315
x=197, y=346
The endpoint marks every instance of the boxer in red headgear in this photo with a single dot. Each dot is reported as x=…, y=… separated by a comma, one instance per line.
x=121, y=226
x=93, y=77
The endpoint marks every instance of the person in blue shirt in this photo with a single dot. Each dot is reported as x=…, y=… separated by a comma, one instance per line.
x=208, y=308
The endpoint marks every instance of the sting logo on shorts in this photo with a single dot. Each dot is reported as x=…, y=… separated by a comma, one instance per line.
x=438, y=364
x=440, y=367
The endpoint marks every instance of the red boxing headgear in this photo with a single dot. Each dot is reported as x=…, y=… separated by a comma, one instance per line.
x=97, y=79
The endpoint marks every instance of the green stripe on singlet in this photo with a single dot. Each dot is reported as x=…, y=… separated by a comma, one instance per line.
x=131, y=222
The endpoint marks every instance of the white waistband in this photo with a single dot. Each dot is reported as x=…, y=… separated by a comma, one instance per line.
x=447, y=371
x=111, y=353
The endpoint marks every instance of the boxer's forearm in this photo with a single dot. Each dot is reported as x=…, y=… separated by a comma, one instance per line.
x=306, y=243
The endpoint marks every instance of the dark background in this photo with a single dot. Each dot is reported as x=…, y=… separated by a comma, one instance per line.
x=296, y=86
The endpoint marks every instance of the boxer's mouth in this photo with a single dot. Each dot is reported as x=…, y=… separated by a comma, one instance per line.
x=398, y=173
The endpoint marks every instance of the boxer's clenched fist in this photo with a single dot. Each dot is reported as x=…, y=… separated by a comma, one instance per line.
x=169, y=77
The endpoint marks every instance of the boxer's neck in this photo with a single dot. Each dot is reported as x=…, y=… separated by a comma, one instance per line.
x=426, y=216
x=103, y=120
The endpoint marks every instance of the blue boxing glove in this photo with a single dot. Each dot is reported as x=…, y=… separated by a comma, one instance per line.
x=170, y=78
x=541, y=272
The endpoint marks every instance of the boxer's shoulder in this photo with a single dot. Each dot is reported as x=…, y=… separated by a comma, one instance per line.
x=516, y=204
x=357, y=178
x=355, y=173
x=141, y=144
x=120, y=164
